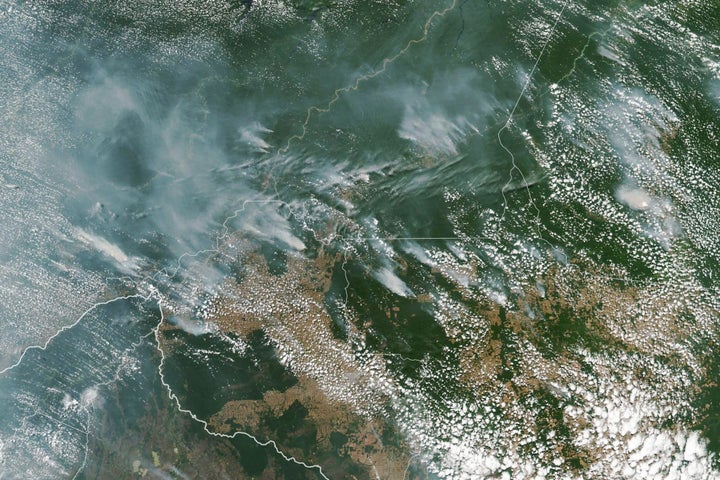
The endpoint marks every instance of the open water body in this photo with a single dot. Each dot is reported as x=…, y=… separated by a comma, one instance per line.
x=393, y=239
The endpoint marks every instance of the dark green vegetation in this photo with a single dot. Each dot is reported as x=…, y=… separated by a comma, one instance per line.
x=499, y=226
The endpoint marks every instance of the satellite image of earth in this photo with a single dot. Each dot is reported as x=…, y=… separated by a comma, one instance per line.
x=360, y=239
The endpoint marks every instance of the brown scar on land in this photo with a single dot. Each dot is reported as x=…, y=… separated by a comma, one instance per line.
x=290, y=309
x=364, y=445
x=638, y=318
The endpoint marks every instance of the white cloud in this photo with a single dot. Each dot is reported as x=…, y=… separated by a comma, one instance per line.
x=635, y=198
x=124, y=262
x=393, y=283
